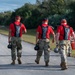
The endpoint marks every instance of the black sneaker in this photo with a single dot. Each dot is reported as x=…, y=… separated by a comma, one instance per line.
x=46, y=64
x=64, y=68
x=37, y=61
x=13, y=63
x=69, y=55
x=19, y=61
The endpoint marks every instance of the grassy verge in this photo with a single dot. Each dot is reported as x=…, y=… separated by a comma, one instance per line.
x=30, y=37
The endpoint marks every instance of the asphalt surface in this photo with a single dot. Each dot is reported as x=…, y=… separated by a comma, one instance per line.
x=28, y=66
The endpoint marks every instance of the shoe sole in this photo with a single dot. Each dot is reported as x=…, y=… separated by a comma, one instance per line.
x=36, y=62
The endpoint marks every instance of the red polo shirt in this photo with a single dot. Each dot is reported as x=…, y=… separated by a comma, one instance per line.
x=60, y=30
x=12, y=28
x=49, y=31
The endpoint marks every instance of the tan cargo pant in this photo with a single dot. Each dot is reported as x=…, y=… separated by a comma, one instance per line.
x=16, y=47
x=70, y=49
x=64, y=47
x=43, y=46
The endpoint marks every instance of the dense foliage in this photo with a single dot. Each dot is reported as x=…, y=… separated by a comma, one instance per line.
x=32, y=14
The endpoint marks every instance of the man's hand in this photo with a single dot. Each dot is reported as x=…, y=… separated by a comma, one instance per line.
x=9, y=36
x=9, y=40
x=53, y=41
x=57, y=43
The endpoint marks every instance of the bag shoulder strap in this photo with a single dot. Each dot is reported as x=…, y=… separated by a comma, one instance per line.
x=64, y=29
x=15, y=27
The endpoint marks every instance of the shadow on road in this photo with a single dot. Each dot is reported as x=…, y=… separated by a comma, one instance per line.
x=33, y=66
x=30, y=66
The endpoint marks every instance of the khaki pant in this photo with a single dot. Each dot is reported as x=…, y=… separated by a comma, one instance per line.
x=16, y=47
x=43, y=46
x=70, y=49
x=64, y=47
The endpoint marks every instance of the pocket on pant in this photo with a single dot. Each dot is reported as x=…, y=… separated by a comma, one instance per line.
x=49, y=49
x=19, y=47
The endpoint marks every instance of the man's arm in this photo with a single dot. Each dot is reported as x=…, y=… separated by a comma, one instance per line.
x=9, y=36
x=73, y=35
x=57, y=37
x=24, y=29
x=37, y=34
x=53, y=38
x=52, y=32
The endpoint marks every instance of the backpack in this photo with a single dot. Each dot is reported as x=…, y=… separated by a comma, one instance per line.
x=17, y=30
x=66, y=32
x=44, y=32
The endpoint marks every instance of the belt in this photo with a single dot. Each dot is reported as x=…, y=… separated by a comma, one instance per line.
x=47, y=40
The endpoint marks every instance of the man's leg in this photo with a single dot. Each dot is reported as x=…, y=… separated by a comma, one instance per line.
x=13, y=55
x=40, y=51
x=46, y=57
x=63, y=56
x=38, y=56
x=69, y=51
x=63, y=60
x=46, y=53
x=13, y=50
x=19, y=50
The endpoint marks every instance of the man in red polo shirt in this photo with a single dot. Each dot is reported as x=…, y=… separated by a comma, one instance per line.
x=16, y=29
x=64, y=32
x=42, y=38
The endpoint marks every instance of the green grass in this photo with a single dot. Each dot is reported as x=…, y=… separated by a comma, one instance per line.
x=31, y=32
x=73, y=53
x=4, y=31
x=30, y=37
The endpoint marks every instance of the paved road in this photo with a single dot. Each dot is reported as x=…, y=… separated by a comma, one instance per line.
x=28, y=66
